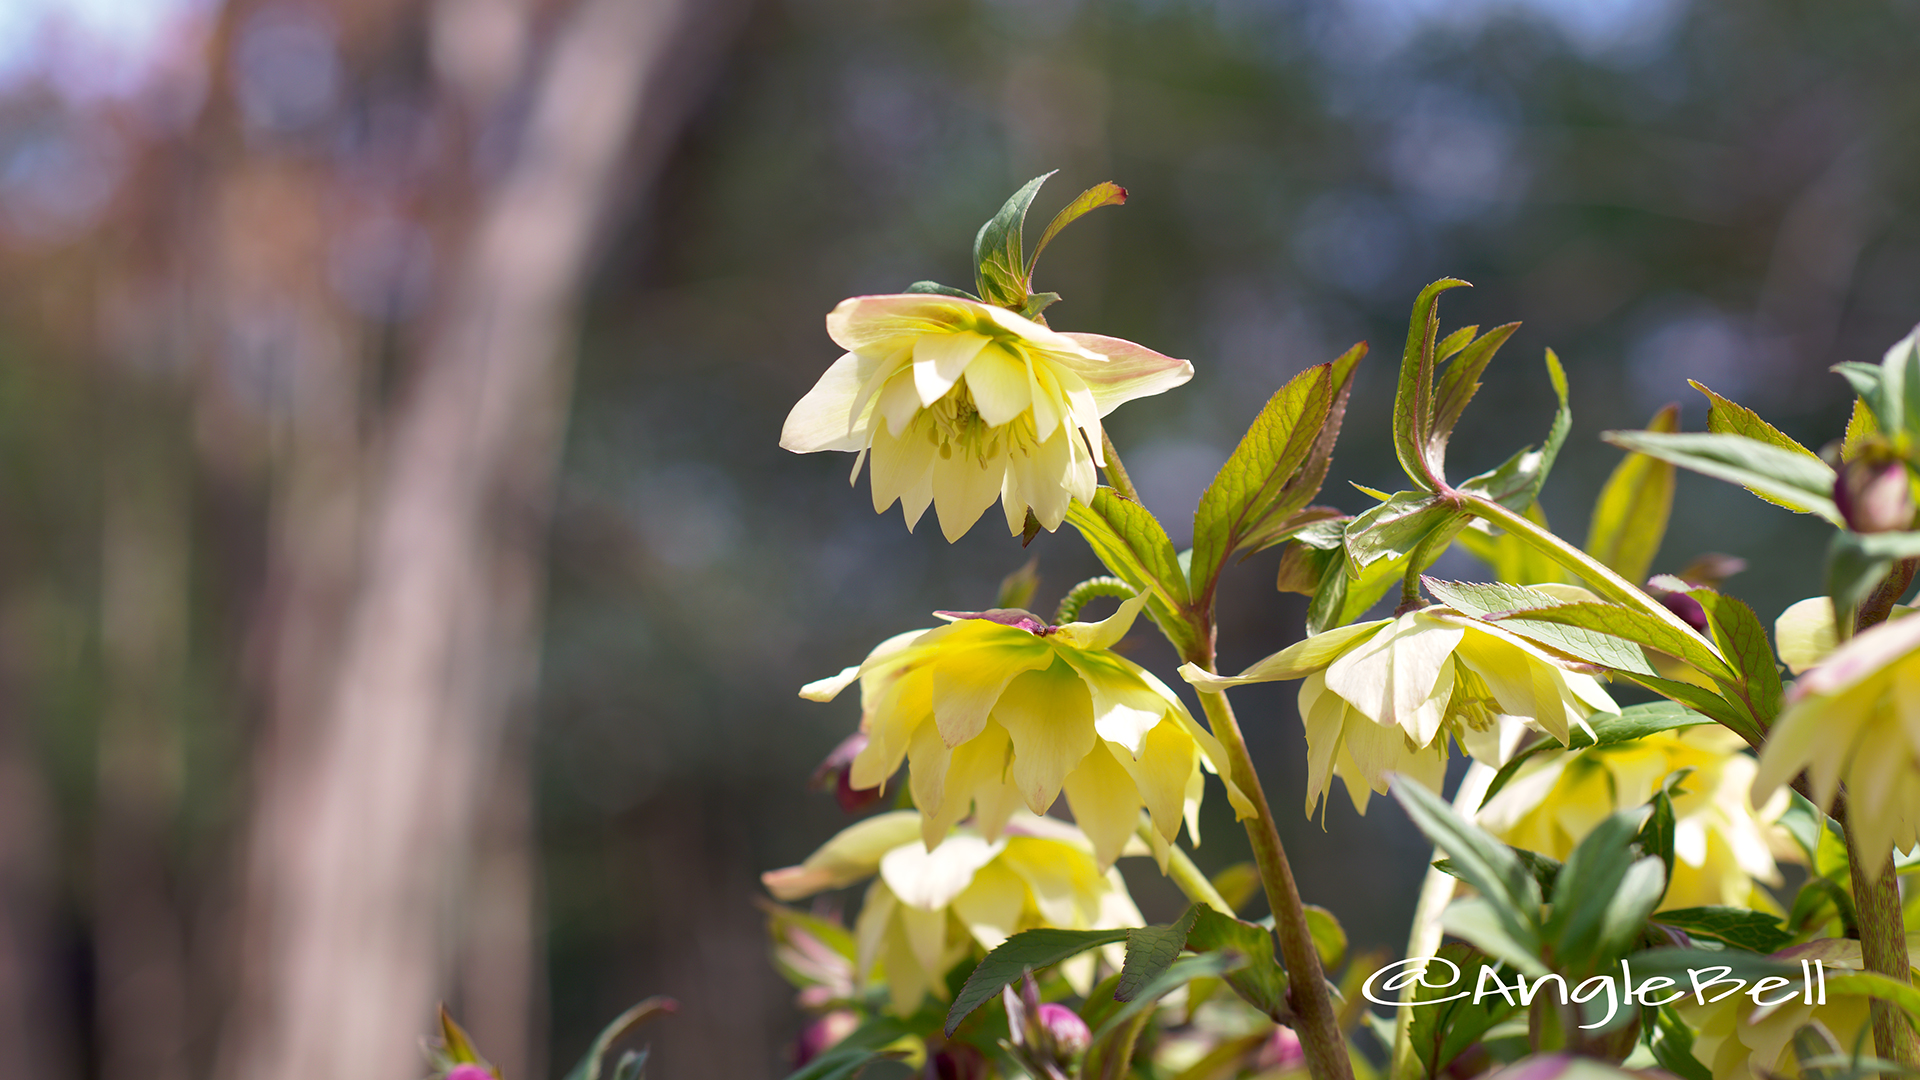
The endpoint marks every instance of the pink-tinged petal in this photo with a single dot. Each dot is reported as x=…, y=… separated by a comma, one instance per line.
x=998, y=382
x=963, y=488
x=826, y=419
x=1131, y=371
x=884, y=322
x=939, y=359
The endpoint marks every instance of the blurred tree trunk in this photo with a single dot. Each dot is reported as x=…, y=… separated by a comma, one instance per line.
x=377, y=814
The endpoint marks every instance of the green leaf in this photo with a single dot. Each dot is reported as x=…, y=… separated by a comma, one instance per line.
x=1545, y=871
x=1482, y=861
x=1875, y=985
x=1150, y=951
x=1512, y=560
x=1105, y=193
x=1857, y=562
x=1034, y=949
x=1312, y=473
x=1724, y=416
x=999, y=266
x=1743, y=640
x=1800, y=483
x=939, y=289
x=1754, y=931
x=1037, y=303
x=1244, y=490
x=589, y=1067
x=1395, y=527
x=1517, y=482
x=1656, y=835
x=1860, y=428
x=1329, y=937
x=1440, y=1030
x=1630, y=723
x=1584, y=894
x=1732, y=714
x=1633, y=900
x=1630, y=517
x=1129, y=540
x=1178, y=974
x=1674, y=964
x=1498, y=599
x=1479, y=920
x=1413, y=399
x=1461, y=379
x=1632, y=625
x=853, y=1053
x=1673, y=1047
x=1261, y=981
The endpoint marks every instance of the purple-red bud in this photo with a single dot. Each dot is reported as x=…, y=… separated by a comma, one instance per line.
x=1069, y=1033
x=835, y=774
x=470, y=1072
x=1281, y=1050
x=1688, y=609
x=956, y=1061
x=1874, y=496
x=821, y=1035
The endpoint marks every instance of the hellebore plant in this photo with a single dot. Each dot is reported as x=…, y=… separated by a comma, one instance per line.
x=1639, y=767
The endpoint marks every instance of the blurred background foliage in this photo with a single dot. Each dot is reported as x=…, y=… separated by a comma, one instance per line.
x=227, y=231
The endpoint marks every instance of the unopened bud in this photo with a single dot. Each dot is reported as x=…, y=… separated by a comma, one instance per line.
x=835, y=774
x=1688, y=609
x=1874, y=496
x=470, y=1072
x=1282, y=1050
x=1069, y=1033
x=821, y=1035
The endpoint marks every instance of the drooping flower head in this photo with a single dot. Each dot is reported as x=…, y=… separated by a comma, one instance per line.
x=997, y=709
x=926, y=910
x=1722, y=846
x=1386, y=696
x=1739, y=1040
x=961, y=403
x=1853, y=716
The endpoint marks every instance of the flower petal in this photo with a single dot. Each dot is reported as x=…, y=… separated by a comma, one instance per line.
x=1049, y=717
x=938, y=360
x=1125, y=708
x=963, y=488
x=1131, y=371
x=1296, y=661
x=929, y=880
x=897, y=404
x=826, y=419
x=971, y=674
x=853, y=854
x=1324, y=715
x=1804, y=633
x=888, y=320
x=1106, y=633
x=990, y=907
x=1105, y=803
x=998, y=383
x=1042, y=478
x=1167, y=762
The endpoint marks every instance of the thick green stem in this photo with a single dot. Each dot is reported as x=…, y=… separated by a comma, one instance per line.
x=1185, y=875
x=1879, y=604
x=1116, y=472
x=1597, y=574
x=1883, y=945
x=1318, y=1027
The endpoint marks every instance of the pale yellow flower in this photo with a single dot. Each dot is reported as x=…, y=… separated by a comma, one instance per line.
x=1738, y=1040
x=997, y=709
x=962, y=403
x=1721, y=845
x=927, y=910
x=1855, y=716
x=1384, y=697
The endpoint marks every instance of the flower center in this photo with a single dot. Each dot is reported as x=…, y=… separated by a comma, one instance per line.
x=957, y=427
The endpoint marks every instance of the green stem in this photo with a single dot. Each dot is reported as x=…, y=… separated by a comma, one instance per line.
x=1425, y=552
x=1318, y=1026
x=1186, y=876
x=1090, y=589
x=1597, y=574
x=1116, y=472
x=1883, y=945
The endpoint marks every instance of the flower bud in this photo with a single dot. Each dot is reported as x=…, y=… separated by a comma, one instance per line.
x=819, y=1036
x=1688, y=609
x=836, y=772
x=956, y=1061
x=1874, y=496
x=470, y=1072
x=1282, y=1050
x=1069, y=1033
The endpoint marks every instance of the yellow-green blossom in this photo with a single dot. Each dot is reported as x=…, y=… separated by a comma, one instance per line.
x=1721, y=845
x=1383, y=697
x=1855, y=716
x=1738, y=1040
x=997, y=709
x=962, y=403
x=927, y=910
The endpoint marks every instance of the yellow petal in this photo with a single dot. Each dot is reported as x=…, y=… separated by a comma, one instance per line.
x=1163, y=771
x=1105, y=804
x=929, y=880
x=896, y=406
x=900, y=464
x=1106, y=633
x=1049, y=717
x=1804, y=633
x=939, y=358
x=852, y=855
x=998, y=383
x=991, y=906
x=972, y=669
x=963, y=488
x=928, y=761
x=827, y=418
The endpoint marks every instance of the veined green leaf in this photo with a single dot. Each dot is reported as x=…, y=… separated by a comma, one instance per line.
x=1329, y=937
x=1129, y=540
x=1588, y=881
x=1028, y=949
x=1755, y=931
x=1635, y=626
x=1460, y=380
x=1105, y=193
x=1481, y=599
x=1798, y=482
x=1743, y=640
x=1731, y=714
x=999, y=266
x=1394, y=528
x=1178, y=974
x=1516, y=483
x=1307, y=480
x=1860, y=427
x=1261, y=981
x=1481, y=861
x=1630, y=517
x=1480, y=921
x=1245, y=488
x=1150, y=951
x=1413, y=399
x=1730, y=417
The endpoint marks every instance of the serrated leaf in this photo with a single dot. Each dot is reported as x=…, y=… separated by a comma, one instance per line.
x=1481, y=599
x=1244, y=490
x=1000, y=271
x=1754, y=931
x=1150, y=951
x=1743, y=640
x=1261, y=982
x=1860, y=428
x=1307, y=480
x=1413, y=397
x=1033, y=949
x=1631, y=625
x=1516, y=483
x=1482, y=861
x=1800, y=483
x=1630, y=516
x=1178, y=974
x=1395, y=527
x=1461, y=380
x=1105, y=193
x=589, y=1067
x=1440, y=1030
x=1129, y=540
